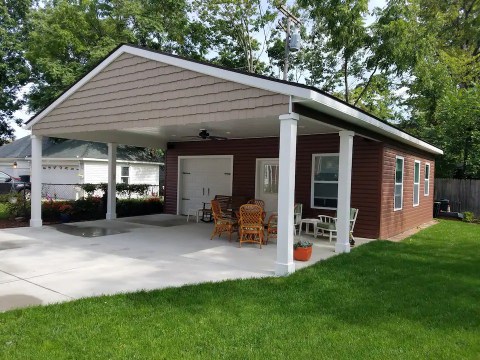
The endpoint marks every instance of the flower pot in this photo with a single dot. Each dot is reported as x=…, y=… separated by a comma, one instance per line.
x=302, y=253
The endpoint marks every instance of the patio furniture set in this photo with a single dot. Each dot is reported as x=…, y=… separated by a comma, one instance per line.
x=233, y=214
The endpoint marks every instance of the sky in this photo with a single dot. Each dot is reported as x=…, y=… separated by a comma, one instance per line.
x=20, y=132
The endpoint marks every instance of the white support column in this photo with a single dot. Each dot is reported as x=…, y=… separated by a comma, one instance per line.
x=36, y=182
x=112, y=182
x=286, y=193
x=344, y=191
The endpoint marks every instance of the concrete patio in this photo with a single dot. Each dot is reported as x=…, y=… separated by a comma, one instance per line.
x=65, y=262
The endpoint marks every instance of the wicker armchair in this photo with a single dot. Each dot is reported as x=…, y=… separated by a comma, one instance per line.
x=258, y=202
x=250, y=225
x=223, y=223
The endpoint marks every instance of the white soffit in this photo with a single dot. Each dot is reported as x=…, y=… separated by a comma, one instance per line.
x=307, y=96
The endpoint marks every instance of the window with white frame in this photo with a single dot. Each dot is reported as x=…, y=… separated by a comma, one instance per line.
x=324, y=181
x=416, y=183
x=398, y=196
x=426, y=190
x=125, y=175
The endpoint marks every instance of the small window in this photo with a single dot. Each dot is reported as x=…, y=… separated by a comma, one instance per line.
x=125, y=175
x=324, y=181
x=416, y=183
x=270, y=182
x=426, y=190
x=398, y=197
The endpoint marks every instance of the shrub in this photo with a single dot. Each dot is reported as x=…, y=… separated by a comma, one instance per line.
x=468, y=216
x=17, y=206
x=135, y=207
x=88, y=209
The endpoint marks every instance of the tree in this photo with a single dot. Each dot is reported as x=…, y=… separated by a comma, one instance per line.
x=233, y=25
x=444, y=80
x=14, y=71
x=359, y=63
x=69, y=37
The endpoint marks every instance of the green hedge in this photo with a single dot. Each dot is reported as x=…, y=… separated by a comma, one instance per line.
x=91, y=208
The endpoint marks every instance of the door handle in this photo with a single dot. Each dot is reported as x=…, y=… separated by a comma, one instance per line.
x=208, y=191
x=203, y=191
x=185, y=198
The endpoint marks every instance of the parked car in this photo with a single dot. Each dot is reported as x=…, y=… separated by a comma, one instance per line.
x=10, y=184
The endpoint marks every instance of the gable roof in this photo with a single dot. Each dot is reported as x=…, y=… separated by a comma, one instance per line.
x=307, y=95
x=71, y=149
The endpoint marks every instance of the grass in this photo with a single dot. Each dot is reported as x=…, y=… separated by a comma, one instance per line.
x=415, y=299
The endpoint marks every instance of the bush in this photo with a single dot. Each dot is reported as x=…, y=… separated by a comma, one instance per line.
x=17, y=206
x=468, y=216
x=92, y=208
x=135, y=207
x=88, y=209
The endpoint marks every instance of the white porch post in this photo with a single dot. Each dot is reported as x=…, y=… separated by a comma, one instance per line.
x=36, y=182
x=344, y=191
x=286, y=193
x=112, y=182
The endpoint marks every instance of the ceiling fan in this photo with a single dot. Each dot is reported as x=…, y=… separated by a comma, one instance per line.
x=205, y=135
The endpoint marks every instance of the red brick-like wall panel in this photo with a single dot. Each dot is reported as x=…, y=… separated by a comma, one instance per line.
x=395, y=222
x=365, y=175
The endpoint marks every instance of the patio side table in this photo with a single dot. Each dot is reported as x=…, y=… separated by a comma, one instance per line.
x=307, y=223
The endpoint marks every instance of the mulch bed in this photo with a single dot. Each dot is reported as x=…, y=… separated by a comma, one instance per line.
x=7, y=223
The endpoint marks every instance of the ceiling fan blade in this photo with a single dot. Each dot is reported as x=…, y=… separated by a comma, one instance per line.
x=192, y=137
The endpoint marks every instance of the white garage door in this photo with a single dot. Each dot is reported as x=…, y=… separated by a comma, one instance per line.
x=201, y=178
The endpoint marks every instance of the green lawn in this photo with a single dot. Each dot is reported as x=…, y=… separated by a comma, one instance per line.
x=418, y=299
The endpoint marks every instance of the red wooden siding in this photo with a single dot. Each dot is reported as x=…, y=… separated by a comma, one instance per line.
x=366, y=179
x=395, y=222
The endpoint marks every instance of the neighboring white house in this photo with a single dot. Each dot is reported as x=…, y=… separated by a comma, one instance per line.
x=68, y=162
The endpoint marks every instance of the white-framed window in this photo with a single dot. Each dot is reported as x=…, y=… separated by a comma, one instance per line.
x=125, y=175
x=398, y=193
x=426, y=190
x=416, y=183
x=324, y=181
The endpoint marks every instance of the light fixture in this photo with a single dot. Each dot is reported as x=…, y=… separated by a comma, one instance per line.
x=14, y=164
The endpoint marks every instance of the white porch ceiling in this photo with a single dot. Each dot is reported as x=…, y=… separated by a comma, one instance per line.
x=159, y=136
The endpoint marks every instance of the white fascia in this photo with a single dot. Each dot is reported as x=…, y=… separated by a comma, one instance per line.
x=368, y=122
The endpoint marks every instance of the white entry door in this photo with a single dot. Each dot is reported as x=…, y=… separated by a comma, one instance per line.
x=201, y=178
x=267, y=184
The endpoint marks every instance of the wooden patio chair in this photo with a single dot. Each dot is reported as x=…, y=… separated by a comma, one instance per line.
x=223, y=222
x=250, y=225
x=328, y=224
x=272, y=227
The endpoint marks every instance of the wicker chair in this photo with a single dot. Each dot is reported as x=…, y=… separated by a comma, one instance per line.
x=223, y=223
x=258, y=202
x=272, y=228
x=250, y=226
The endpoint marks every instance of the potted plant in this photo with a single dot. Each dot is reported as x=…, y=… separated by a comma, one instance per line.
x=302, y=250
x=65, y=211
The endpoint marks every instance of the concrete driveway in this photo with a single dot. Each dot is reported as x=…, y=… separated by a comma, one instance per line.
x=60, y=263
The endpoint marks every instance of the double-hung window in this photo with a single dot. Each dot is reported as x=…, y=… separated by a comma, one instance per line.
x=426, y=190
x=324, y=181
x=125, y=175
x=398, y=196
x=416, y=183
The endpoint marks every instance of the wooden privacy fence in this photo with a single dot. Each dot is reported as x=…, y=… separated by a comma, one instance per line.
x=464, y=195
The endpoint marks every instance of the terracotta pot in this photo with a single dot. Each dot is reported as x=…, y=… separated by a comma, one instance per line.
x=302, y=254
